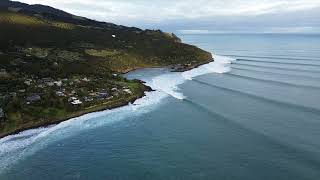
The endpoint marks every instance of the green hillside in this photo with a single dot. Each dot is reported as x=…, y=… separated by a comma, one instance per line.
x=49, y=63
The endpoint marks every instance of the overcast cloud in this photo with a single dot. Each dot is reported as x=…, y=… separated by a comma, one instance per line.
x=200, y=16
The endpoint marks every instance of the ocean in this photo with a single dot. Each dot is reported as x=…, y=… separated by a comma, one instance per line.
x=252, y=114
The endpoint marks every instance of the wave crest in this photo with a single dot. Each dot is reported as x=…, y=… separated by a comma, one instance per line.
x=168, y=83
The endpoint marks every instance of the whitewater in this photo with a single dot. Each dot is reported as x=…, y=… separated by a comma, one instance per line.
x=16, y=147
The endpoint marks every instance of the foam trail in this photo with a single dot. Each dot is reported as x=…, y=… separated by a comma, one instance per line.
x=220, y=65
x=168, y=83
x=19, y=146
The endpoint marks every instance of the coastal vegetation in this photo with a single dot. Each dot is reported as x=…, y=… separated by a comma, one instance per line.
x=55, y=66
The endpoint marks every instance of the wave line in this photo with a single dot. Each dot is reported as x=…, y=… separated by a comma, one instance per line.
x=274, y=62
x=308, y=157
x=279, y=68
x=270, y=57
x=295, y=106
x=272, y=81
x=268, y=72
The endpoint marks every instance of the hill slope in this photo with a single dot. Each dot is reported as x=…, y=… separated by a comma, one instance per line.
x=55, y=65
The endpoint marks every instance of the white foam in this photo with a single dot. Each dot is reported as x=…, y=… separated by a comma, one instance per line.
x=220, y=65
x=168, y=83
x=16, y=147
x=19, y=146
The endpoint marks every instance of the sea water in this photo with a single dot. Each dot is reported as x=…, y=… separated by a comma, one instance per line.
x=254, y=113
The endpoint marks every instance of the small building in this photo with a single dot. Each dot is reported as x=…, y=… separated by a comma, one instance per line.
x=41, y=86
x=128, y=91
x=58, y=83
x=72, y=99
x=28, y=82
x=1, y=114
x=33, y=98
x=60, y=94
x=50, y=84
x=76, y=80
x=76, y=102
x=3, y=73
x=102, y=95
x=88, y=99
x=46, y=80
x=114, y=89
x=86, y=79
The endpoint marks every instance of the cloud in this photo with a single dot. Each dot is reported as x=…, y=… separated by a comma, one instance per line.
x=167, y=13
x=178, y=9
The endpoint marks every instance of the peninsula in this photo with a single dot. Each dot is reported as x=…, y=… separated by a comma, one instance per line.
x=55, y=65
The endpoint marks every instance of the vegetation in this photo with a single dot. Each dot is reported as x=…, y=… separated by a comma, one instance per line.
x=54, y=65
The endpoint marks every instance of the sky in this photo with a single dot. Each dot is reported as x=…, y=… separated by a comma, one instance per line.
x=200, y=16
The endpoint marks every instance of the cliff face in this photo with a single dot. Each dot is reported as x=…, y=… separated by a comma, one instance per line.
x=51, y=60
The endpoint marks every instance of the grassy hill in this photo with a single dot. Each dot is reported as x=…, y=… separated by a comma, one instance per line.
x=49, y=58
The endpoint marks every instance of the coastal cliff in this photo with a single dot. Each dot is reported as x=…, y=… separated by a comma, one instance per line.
x=55, y=65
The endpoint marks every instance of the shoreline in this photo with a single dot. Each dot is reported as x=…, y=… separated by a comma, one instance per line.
x=97, y=108
x=104, y=107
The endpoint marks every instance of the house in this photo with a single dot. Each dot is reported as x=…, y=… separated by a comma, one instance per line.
x=1, y=113
x=50, y=84
x=128, y=91
x=33, y=98
x=41, y=86
x=72, y=99
x=60, y=94
x=76, y=80
x=22, y=91
x=88, y=99
x=45, y=82
x=58, y=83
x=3, y=72
x=86, y=79
x=102, y=95
x=28, y=82
x=76, y=102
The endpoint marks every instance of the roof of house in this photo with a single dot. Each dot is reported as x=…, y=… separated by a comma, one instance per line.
x=34, y=97
x=76, y=102
x=1, y=113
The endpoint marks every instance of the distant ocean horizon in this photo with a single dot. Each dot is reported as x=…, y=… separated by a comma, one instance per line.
x=253, y=113
x=183, y=33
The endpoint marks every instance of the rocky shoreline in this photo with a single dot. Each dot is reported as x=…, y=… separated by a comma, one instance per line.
x=103, y=107
x=97, y=108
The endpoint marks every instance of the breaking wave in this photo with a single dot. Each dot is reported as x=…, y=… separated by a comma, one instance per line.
x=16, y=147
x=19, y=146
x=168, y=83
